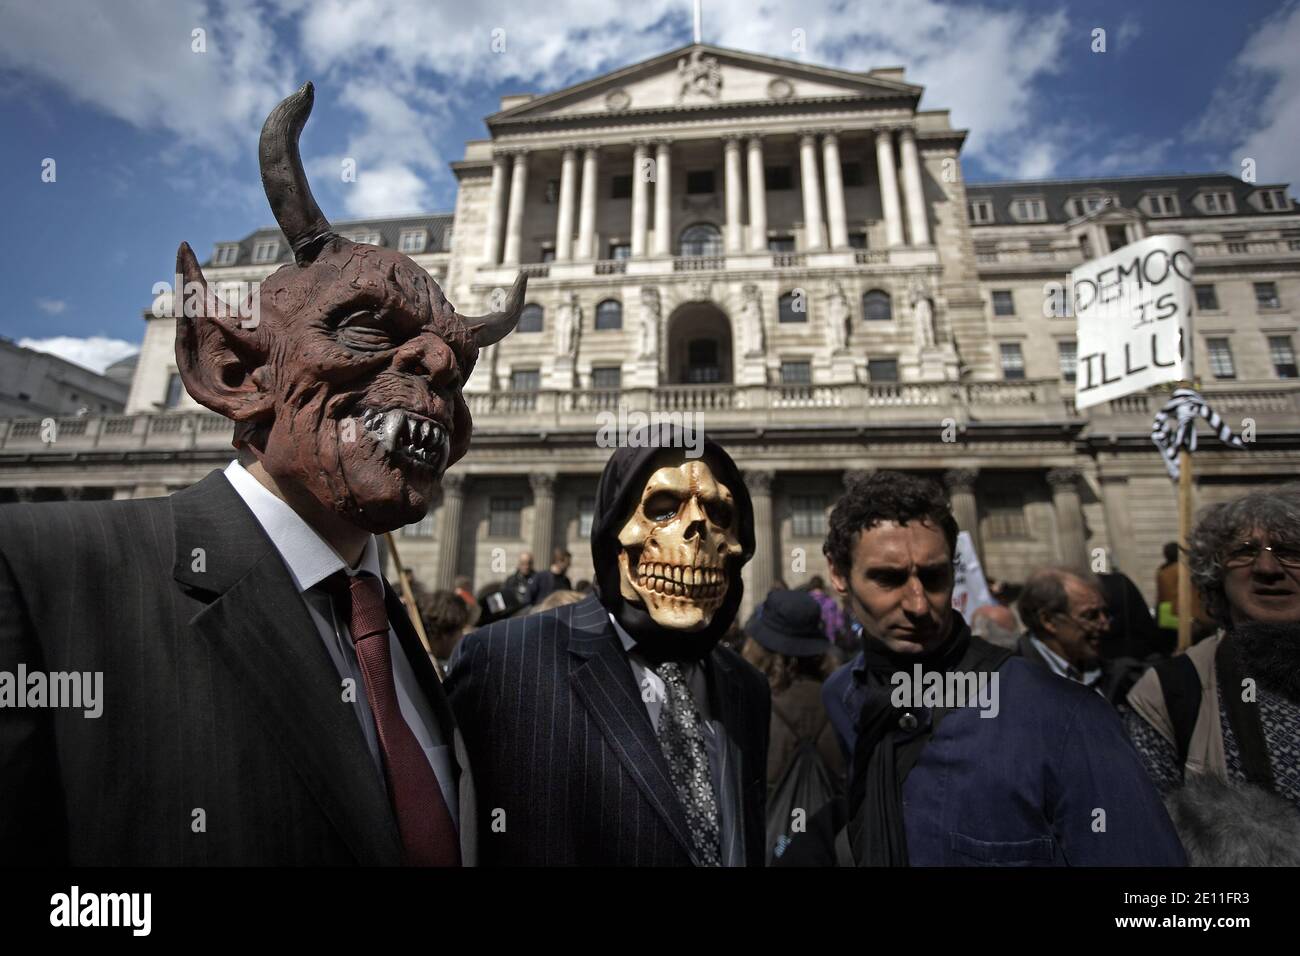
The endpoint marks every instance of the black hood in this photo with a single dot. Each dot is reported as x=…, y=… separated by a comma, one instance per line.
x=620, y=488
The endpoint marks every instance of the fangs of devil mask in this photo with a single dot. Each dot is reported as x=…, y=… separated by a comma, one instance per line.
x=347, y=387
x=669, y=539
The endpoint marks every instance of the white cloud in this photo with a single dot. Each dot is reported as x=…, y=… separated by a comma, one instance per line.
x=136, y=62
x=51, y=306
x=1255, y=111
x=95, y=352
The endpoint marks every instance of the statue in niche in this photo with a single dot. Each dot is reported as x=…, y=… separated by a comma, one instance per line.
x=923, y=315
x=837, y=318
x=751, y=320
x=568, y=325
x=650, y=317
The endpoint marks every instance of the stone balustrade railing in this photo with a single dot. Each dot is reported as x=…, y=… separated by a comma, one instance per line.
x=1274, y=405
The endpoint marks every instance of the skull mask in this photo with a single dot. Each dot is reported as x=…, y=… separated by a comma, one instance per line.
x=676, y=544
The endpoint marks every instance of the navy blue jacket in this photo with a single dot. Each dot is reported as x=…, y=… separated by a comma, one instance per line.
x=1052, y=780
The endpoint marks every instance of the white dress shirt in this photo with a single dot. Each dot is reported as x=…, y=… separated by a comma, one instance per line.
x=310, y=560
x=1063, y=668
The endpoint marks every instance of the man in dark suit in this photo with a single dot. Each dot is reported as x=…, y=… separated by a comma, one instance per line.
x=616, y=731
x=265, y=698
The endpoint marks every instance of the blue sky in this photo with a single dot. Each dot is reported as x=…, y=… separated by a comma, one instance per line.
x=154, y=142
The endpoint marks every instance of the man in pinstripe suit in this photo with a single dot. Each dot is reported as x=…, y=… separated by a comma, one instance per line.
x=616, y=731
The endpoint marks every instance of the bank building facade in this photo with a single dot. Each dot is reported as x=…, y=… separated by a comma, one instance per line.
x=792, y=254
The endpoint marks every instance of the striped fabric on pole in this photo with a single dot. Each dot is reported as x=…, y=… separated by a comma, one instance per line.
x=1174, y=427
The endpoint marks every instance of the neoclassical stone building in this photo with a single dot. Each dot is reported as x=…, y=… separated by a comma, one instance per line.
x=792, y=254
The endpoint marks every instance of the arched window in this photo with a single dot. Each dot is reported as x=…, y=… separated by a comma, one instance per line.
x=701, y=239
x=530, y=319
x=876, y=306
x=792, y=307
x=609, y=315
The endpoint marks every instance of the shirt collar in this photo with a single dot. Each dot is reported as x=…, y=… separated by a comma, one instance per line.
x=308, y=557
x=1062, y=667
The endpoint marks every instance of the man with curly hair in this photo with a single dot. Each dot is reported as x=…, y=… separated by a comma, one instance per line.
x=1037, y=773
x=1217, y=727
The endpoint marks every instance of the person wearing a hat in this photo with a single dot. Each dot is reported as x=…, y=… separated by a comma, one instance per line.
x=788, y=645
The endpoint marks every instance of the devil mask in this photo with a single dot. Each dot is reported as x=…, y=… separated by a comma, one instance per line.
x=347, y=388
x=669, y=539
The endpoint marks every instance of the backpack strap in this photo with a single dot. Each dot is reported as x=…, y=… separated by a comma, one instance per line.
x=1181, y=686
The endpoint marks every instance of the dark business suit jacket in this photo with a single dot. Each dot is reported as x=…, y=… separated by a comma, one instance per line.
x=567, y=763
x=219, y=696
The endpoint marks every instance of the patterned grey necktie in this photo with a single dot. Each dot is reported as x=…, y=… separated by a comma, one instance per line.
x=682, y=739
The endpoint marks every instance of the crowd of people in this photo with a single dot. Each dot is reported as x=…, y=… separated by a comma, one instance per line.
x=1181, y=762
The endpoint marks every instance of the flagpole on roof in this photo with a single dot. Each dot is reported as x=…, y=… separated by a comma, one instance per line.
x=698, y=20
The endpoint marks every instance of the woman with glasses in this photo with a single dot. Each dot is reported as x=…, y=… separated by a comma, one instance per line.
x=1219, y=727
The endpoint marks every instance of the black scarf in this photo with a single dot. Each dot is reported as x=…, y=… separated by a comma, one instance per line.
x=886, y=752
x=620, y=489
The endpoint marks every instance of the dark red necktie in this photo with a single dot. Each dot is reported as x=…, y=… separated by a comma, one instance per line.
x=428, y=836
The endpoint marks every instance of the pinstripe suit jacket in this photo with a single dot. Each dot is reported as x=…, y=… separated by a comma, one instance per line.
x=218, y=696
x=560, y=741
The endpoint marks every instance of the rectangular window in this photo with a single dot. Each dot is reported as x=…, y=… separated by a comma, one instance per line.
x=1013, y=360
x=620, y=186
x=1220, y=351
x=1274, y=200
x=525, y=379
x=266, y=250
x=174, y=390
x=552, y=191
x=882, y=370
x=808, y=516
x=503, y=516
x=1004, y=516
x=586, y=515
x=1218, y=202
x=778, y=178
x=1003, y=303
x=699, y=182
x=548, y=254
x=1029, y=210
x=1116, y=237
x=780, y=244
x=1207, y=298
x=412, y=240
x=608, y=376
x=981, y=211
x=1068, y=353
x=422, y=528
x=796, y=373
x=1266, y=295
x=227, y=254
x=1282, y=353
x=851, y=174
x=857, y=240
x=620, y=250
x=1162, y=204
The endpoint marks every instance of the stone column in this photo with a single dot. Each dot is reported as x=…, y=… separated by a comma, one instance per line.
x=731, y=158
x=453, y=503
x=889, y=187
x=515, y=214
x=663, y=198
x=496, y=199
x=916, y=219
x=543, y=485
x=757, y=195
x=1070, y=544
x=587, y=216
x=960, y=483
x=640, y=198
x=564, y=222
x=812, y=198
x=762, y=567
x=835, y=216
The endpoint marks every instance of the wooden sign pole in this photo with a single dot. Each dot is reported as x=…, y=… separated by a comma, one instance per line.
x=408, y=596
x=1184, y=534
